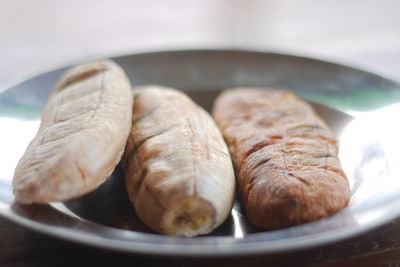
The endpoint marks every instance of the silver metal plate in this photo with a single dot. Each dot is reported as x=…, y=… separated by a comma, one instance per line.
x=359, y=106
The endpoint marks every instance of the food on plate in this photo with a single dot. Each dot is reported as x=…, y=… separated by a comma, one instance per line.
x=285, y=157
x=82, y=135
x=179, y=175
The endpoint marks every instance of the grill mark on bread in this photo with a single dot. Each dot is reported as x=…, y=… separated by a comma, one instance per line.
x=154, y=196
x=192, y=134
x=256, y=147
x=143, y=174
x=286, y=170
x=327, y=168
x=80, y=77
x=99, y=100
x=221, y=153
x=301, y=179
x=137, y=145
x=82, y=173
x=262, y=162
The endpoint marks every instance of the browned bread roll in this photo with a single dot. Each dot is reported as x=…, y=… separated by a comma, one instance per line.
x=179, y=175
x=83, y=132
x=285, y=157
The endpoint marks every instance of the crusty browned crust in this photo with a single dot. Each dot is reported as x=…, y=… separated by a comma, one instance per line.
x=178, y=171
x=285, y=157
x=82, y=135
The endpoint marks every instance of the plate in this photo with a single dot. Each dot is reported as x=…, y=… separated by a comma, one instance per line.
x=359, y=106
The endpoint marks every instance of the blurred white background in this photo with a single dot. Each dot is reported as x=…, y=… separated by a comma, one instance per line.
x=37, y=35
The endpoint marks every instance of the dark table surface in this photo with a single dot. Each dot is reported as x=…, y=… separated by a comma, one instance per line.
x=23, y=247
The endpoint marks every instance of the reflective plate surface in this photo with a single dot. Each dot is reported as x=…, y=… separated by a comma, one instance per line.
x=360, y=107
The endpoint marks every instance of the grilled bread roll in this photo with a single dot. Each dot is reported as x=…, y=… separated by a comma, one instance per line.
x=285, y=157
x=82, y=135
x=179, y=175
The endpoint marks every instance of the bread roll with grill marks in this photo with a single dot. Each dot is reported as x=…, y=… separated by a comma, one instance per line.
x=179, y=175
x=82, y=135
x=285, y=157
